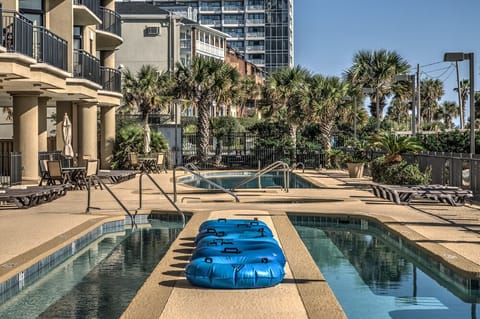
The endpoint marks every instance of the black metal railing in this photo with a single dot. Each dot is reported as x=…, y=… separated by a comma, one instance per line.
x=17, y=33
x=111, y=79
x=111, y=21
x=93, y=5
x=50, y=48
x=10, y=168
x=86, y=66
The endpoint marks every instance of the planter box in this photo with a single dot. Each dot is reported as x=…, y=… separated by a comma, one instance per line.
x=355, y=170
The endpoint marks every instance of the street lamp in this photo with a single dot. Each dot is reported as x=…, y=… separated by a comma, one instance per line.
x=460, y=56
x=349, y=98
x=372, y=91
x=411, y=78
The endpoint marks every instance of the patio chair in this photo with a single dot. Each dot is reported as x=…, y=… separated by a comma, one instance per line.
x=134, y=163
x=91, y=173
x=43, y=171
x=160, y=164
x=55, y=173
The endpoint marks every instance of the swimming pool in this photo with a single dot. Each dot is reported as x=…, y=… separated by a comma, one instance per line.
x=100, y=280
x=228, y=180
x=372, y=277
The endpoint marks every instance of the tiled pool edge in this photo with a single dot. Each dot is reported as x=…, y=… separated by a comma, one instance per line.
x=458, y=271
x=31, y=274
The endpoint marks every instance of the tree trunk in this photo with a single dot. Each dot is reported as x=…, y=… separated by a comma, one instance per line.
x=325, y=135
x=203, y=126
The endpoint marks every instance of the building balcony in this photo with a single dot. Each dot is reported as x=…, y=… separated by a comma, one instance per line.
x=50, y=48
x=86, y=12
x=109, y=31
x=259, y=62
x=210, y=23
x=255, y=48
x=233, y=22
x=233, y=8
x=110, y=79
x=255, y=35
x=251, y=8
x=213, y=9
x=86, y=66
x=255, y=21
x=209, y=50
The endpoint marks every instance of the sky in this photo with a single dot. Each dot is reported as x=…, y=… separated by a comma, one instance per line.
x=327, y=34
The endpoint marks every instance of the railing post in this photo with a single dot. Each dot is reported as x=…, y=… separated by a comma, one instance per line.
x=140, y=191
x=174, y=184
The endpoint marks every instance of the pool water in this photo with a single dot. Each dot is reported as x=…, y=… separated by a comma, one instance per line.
x=372, y=279
x=228, y=180
x=99, y=281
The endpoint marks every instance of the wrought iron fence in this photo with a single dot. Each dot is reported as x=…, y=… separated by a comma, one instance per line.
x=244, y=150
x=10, y=169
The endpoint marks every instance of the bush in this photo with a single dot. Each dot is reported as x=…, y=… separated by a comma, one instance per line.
x=401, y=173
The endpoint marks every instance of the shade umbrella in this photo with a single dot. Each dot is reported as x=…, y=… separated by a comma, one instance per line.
x=146, y=139
x=67, y=137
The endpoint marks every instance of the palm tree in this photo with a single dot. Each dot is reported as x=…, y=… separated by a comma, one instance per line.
x=285, y=95
x=249, y=91
x=448, y=111
x=141, y=90
x=431, y=91
x=394, y=145
x=326, y=103
x=376, y=69
x=204, y=82
x=464, y=93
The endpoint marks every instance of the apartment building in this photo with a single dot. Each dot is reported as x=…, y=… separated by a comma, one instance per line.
x=261, y=30
x=157, y=37
x=60, y=54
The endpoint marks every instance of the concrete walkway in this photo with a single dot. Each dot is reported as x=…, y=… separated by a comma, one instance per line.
x=452, y=234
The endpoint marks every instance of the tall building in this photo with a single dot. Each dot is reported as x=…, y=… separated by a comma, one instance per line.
x=261, y=30
x=60, y=54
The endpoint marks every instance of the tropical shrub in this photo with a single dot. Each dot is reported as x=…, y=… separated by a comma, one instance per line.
x=398, y=173
x=394, y=145
x=131, y=139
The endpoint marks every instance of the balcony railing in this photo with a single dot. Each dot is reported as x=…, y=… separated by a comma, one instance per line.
x=93, y=5
x=256, y=34
x=111, y=79
x=255, y=21
x=234, y=21
x=111, y=21
x=17, y=33
x=255, y=48
x=50, y=48
x=86, y=66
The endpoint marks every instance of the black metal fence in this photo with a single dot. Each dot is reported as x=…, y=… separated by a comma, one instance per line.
x=10, y=169
x=244, y=150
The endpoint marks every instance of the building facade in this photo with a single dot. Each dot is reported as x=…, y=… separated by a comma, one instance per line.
x=60, y=54
x=261, y=30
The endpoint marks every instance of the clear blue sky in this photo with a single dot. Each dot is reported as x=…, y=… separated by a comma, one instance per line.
x=328, y=33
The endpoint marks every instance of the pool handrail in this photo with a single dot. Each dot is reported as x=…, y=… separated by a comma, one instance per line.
x=193, y=167
x=140, y=188
x=119, y=202
x=183, y=168
x=265, y=170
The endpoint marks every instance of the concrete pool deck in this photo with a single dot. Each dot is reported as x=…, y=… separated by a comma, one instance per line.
x=449, y=233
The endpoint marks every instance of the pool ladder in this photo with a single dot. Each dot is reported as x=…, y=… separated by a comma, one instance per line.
x=203, y=178
x=265, y=170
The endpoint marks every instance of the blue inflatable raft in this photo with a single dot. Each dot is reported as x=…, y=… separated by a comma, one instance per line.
x=250, y=232
x=234, y=272
x=259, y=251
x=230, y=222
x=230, y=241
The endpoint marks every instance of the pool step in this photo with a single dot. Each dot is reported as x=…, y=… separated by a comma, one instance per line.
x=188, y=199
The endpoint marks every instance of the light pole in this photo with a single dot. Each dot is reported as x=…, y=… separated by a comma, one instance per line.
x=411, y=78
x=372, y=91
x=349, y=98
x=460, y=56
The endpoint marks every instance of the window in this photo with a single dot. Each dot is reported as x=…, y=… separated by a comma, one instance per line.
x=151, y=31
x=32, y=10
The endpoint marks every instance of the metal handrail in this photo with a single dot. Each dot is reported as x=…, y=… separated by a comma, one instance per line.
x=296, y=165
x=183, y=168
x=132, y=217
x=161, y=190
x=265, y=170
x=193, y=167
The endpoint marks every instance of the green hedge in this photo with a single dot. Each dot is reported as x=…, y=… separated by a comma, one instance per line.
x=401, y=173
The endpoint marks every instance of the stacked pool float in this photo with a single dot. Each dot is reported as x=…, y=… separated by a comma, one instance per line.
x=235, y=254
